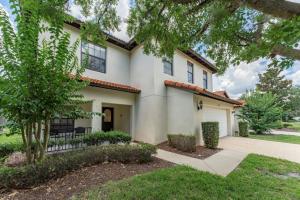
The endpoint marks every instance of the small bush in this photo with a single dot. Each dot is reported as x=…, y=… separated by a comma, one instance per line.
x=210, y=131
x=58, y=165
x=186, y=143
x=243, y=128
x=286, y=125
x=113, y=137
x=9, y=148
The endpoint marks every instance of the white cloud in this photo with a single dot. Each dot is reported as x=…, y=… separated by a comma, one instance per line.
x=122, y=11
x=237, y=80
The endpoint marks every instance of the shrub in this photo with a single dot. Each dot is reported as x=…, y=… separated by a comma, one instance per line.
x=210, y=131
x=286, y=125
x=262, y=111
x=9, y=148
x=186, y=143
x=58, y=165
x=243, y=129
x=113, y=137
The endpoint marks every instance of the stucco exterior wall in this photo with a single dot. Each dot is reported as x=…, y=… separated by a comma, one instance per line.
x=117, y=61
x=123, y=102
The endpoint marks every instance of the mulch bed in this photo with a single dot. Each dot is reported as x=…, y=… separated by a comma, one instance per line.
x=200, y=153
x=84, y=179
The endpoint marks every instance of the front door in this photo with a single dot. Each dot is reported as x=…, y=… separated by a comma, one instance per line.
x=107, y=119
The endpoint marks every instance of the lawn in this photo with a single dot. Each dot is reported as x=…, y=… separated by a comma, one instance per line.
x=10, y=139
x=278, y=138
x=257, y=177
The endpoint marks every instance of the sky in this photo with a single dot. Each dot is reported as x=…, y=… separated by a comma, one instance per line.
x=236, y=80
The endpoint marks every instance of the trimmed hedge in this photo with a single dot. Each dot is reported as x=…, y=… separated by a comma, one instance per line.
x=243, y=129
x=97, y=138
x=210, y=131
x=113, y=137
x=186, y=143
x=56, y=166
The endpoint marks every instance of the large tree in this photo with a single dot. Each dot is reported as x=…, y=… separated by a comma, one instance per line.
x=36, y=62
x=274, y=82
x=261, y=111
x=229, y=31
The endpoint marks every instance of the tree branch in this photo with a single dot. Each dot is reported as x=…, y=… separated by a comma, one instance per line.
x=287, y=52
x=277, y=8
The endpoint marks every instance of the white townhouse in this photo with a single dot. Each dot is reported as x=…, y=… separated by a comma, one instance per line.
x=147, y=96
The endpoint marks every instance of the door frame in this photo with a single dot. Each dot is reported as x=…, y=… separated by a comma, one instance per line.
x=112, y=117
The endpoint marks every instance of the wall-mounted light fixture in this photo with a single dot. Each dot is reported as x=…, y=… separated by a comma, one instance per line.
x=200, y=105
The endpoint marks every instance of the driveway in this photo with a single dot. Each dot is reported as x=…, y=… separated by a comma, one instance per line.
x=281, y=150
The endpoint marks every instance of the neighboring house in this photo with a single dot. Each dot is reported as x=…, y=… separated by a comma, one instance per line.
x=147, y=96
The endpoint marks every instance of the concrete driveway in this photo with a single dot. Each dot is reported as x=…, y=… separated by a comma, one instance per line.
x=281, y=150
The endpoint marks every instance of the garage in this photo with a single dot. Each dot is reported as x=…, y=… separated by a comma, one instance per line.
x=216, y=115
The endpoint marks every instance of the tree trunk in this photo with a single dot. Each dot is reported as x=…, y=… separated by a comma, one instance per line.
x=46, y=139
x=29, y=143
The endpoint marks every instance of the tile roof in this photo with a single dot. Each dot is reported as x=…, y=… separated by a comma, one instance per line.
x=110, y=85
x=200, y=91
x=222, y=93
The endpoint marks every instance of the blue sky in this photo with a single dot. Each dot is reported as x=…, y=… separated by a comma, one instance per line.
x=235, y=80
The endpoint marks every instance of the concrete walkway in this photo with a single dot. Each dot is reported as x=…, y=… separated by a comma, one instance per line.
x=279, y=132
x=221, y=163
x=281, y=150
x=235, y=149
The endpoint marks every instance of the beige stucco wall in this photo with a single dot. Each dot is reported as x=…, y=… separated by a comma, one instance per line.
x=157, y=110
x=117, y=61
x=124, y=103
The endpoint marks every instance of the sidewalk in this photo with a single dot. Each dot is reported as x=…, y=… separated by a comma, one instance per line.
x=221, y=163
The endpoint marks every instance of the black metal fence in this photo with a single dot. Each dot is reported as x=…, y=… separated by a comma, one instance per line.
x=68, y=140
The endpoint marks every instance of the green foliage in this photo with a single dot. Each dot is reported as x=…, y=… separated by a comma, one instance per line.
x=185, y=143
x=10, y=144
x=257, y=177
x=272, y=81
x=295, y=102
x=243, y=129
x=261, y=111
x=113, y=137
x=37, y=61
x=229, y=32
x=210, y=131
x=56, y=166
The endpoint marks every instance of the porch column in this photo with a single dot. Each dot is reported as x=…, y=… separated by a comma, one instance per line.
x=97, y=120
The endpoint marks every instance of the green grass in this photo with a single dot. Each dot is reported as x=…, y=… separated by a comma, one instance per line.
x=278, y=138
x=10, y=139
x=255, y=178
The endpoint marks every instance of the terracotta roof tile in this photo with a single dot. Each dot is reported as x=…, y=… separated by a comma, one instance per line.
x=222, y=93
x=200, y=91
x=110, y=85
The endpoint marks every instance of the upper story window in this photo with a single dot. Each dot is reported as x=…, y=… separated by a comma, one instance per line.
x=168, y=66
x=190, y=72
x=205, y=81
x=96, y=56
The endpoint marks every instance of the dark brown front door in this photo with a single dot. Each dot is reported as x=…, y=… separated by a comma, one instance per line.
x=107, y=119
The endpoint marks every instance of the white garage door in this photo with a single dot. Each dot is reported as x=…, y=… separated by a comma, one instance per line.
x=217, y=115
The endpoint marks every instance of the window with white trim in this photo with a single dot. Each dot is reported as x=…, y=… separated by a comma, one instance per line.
x=168, y=66
x=205, y=81
x=94, y=55
x=190, y=72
